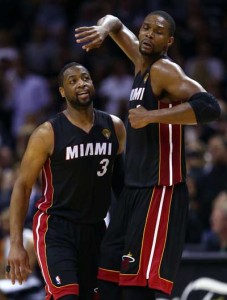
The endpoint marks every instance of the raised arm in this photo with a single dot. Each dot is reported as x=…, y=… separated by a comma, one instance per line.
x=170, y=84
x=39, y=148
x=110, y=25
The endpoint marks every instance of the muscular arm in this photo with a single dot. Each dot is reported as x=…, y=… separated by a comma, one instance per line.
x=39, y=148
x=170, y=84
x=110, y=25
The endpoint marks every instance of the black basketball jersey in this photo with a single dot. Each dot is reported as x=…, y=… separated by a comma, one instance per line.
x=76, y=178
x=154, y=153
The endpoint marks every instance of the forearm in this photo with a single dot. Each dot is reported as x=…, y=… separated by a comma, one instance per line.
x=180, y=114
x=18, y=211
x=111, y=24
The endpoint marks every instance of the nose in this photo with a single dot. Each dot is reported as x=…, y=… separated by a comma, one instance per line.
x=150, y=33
x=80, y=82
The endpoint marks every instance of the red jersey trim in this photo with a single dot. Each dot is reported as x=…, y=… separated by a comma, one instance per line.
x=46, y=200
x=153, y=244
x=108, y=275
x=170, y=139
x=40, y=227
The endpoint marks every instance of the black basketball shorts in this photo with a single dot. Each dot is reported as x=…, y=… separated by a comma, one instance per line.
x=68, y=255
x=144, y=241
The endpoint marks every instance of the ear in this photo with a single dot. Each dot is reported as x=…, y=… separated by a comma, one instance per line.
x=62, y=91
x=170, y=41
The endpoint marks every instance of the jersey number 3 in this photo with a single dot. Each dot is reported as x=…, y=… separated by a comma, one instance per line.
x=104, y=164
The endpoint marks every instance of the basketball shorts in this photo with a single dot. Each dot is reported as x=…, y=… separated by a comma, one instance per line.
x=68, y=255
x=144, y=241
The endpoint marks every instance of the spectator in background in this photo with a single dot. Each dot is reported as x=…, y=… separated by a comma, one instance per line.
x=33, y=288
x=195, y=163
x=205, y=68
x=30, y=96
x=7, y=175
x=40, y=51
x=116, y=89
x=216, y=238
x=214, y=178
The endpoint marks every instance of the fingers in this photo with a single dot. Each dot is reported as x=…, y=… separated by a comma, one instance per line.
x=90, y=36
x=84, y=33
x=83, y=28
x=92, y=45
x=17, y=272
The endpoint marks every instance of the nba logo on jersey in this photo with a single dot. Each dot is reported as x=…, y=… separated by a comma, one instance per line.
x=58, y=280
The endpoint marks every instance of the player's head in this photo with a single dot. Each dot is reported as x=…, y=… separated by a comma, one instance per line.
x=156, y=33
x=75, y=85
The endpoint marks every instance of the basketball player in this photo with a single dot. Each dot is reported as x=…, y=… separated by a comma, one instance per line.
x=143, y=245
x=76, y=152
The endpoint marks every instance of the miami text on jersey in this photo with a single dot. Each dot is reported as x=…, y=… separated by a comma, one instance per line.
x=137, y=94
x=88, y=149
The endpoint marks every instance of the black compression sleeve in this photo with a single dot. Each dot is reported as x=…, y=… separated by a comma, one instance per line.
x=205, y=107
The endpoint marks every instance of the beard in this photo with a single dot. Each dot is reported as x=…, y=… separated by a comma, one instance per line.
x=154, y=54
x=77, y=104
x=145, y=53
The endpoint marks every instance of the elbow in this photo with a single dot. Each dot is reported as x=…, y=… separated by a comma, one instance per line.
x=217, y=112
x=205, y=107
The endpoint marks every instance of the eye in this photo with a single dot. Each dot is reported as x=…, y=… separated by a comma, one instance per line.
x=145, y=27
x=72, y=81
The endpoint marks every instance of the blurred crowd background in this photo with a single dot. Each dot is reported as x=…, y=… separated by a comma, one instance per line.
x=37, y=40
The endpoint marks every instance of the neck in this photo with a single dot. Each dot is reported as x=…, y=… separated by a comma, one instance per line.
x=82, y=117
x=149, y=60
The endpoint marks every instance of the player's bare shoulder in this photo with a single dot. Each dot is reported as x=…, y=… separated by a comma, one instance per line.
x=43, y=136
x=166, y=67
x=118, y=124
x=164, y=73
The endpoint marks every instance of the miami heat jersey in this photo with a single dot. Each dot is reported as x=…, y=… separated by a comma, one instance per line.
x=76, y=178
x=154, y=153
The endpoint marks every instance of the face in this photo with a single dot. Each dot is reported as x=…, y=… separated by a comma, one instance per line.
x=78, y=88
x=154, y=36
x=218, y=220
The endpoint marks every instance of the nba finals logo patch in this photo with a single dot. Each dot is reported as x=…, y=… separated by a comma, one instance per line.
x=58, y=280
x=106, y=132
x=126, y=260
x=146, y=77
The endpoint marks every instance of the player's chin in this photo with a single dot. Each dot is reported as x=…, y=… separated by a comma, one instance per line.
x=146, y=52
x=84, y=103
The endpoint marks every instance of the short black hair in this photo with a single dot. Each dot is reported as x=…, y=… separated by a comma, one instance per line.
x=168, y=18
x=61, y=73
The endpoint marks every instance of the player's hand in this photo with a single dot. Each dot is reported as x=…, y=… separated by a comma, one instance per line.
x=18, y=267
x=92, y=36
x=138, y=117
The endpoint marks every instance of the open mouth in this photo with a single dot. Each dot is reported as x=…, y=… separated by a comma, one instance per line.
x=147, y=44
x=83, y=93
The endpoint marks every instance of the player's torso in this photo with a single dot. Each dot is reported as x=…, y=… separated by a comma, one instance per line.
x=154, y=154
x=77, y=177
